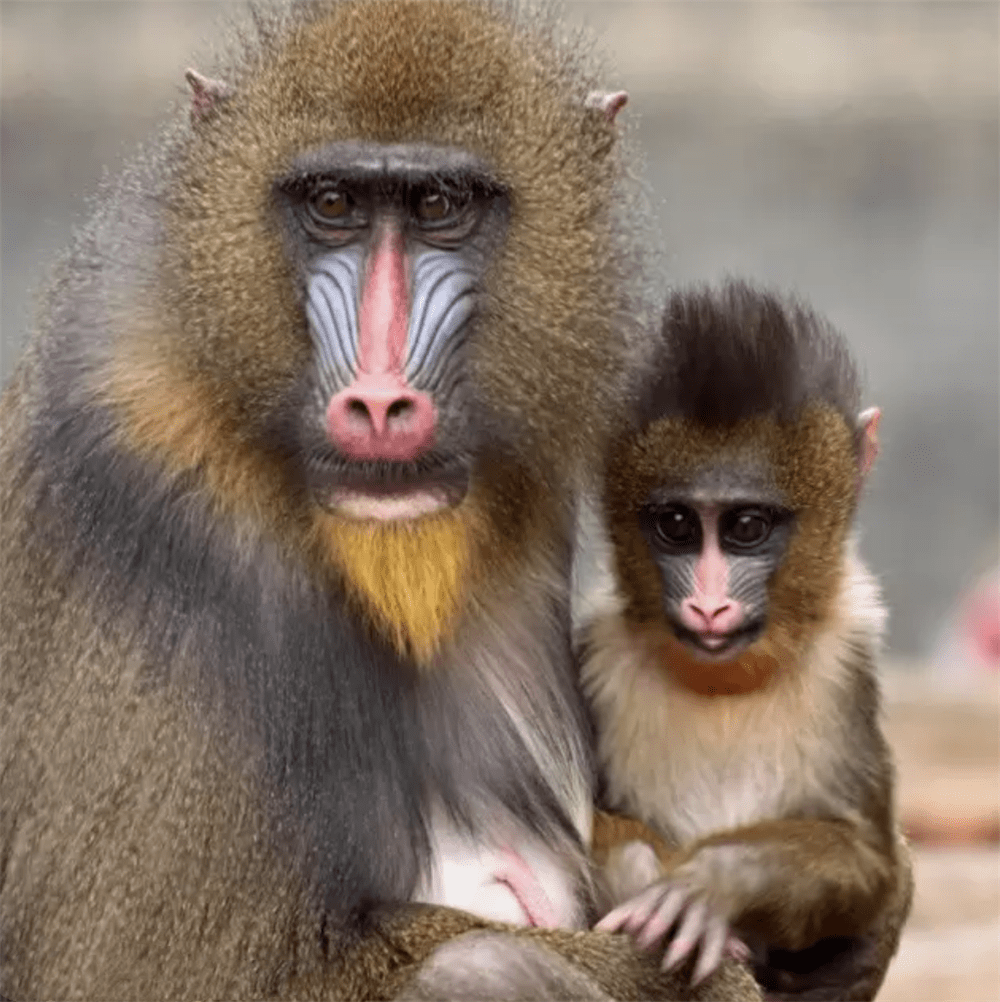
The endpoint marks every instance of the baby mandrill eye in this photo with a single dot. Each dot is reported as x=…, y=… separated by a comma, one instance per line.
x=745, y=527
x=677, y=526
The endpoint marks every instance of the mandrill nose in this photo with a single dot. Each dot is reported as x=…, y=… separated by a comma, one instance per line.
x=379, y=417
x=707, y=616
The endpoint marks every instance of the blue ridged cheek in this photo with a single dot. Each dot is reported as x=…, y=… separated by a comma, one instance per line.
x=332, y=298
x=444, y=301
x=443, y=297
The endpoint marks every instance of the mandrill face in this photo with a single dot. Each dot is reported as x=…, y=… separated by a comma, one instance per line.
x=390, y=353
x=716, y=552
x=408, y=323
x=392, y=244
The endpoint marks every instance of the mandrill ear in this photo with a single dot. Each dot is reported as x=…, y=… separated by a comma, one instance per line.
x=206, y=95
x=868, y=421
x=607, y=103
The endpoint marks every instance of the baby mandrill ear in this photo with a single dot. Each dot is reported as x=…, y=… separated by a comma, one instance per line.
x=609, y=104
x=868, y=421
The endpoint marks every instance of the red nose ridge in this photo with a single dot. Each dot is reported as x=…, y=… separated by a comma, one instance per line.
x=712, y=618
x=379, y=417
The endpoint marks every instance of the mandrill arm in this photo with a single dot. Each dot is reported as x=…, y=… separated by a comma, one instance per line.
x=730, y=891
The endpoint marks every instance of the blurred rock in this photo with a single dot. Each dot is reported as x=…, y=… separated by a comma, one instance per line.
x=946, y=740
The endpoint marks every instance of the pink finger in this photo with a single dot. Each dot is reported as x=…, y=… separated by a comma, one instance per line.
x=663, y=918
x=644, y=906
x=687, y=936
x=712, y=948
x=738, y=950
x=641, y=905
x=614, y=920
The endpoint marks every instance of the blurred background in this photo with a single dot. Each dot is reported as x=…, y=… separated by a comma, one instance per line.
x=844, y=150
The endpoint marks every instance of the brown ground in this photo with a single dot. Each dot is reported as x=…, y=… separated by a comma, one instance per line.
x=946, y=744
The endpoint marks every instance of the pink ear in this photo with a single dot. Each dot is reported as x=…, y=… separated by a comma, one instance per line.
x=868, y=423
x=206, y=95
x=608, y=103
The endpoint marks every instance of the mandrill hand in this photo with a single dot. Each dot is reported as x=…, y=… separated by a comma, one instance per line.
x=680, y=906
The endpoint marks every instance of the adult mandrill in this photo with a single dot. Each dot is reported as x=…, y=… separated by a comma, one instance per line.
x=284, y=552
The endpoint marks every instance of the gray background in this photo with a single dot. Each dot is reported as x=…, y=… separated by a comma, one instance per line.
x=845, y=150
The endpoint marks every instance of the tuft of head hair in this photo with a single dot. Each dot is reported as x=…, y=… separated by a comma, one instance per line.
x=743, y=352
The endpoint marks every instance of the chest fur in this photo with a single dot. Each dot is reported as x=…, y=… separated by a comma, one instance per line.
x=506, y=732
x=692, y=764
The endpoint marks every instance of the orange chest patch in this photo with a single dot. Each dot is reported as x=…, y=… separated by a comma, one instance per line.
x=750, y=671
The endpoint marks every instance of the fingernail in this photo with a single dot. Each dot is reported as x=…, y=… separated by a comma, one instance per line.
x=679, y=949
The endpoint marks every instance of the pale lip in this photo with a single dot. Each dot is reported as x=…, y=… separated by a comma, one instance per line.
x=393, y=496
x=384, y=507
x=718, y=647
x=713, y=641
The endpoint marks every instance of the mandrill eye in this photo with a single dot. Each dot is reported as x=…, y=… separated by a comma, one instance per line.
x=677, y=527
x=433, y=207
x=330, y=205
x=443, y=217
x=745, y=527
x=331, y=214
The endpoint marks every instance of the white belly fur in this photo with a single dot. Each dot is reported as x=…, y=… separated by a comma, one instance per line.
x=522, y=882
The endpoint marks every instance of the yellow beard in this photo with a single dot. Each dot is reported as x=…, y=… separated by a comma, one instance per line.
x=411, y=577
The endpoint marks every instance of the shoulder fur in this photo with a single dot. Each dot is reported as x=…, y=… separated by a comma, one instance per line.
x=595, y=594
